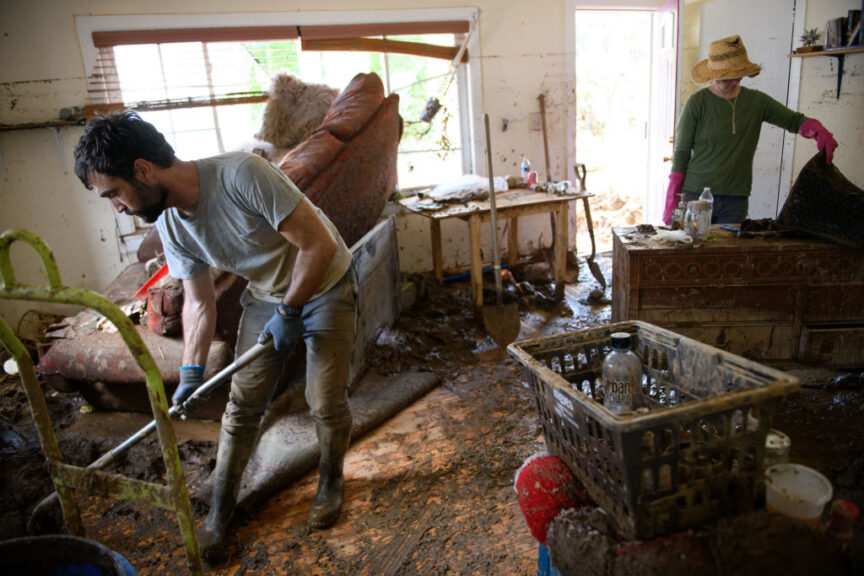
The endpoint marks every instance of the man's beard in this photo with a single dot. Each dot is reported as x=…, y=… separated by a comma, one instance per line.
x=154, y=199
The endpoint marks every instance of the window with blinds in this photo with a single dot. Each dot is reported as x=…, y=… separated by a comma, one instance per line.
x=205, y=88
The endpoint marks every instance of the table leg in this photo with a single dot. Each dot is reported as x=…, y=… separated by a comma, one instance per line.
x=437, y=260
x=561, y=238
x=476, y=244
x=513, y=242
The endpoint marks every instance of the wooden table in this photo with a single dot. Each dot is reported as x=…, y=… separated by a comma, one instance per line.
x=766, y=298
x=511, y=205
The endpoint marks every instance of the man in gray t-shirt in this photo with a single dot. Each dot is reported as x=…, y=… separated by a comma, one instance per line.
x=237, y=212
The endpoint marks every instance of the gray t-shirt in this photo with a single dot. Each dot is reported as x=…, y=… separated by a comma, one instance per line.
x=242, y=200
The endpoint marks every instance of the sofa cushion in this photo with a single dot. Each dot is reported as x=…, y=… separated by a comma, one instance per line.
x=354, y=106
x=310, y=158
x=353, y=190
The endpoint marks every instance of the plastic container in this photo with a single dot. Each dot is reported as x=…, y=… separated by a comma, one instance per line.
x=525, y=168
x=798, y=492
x=59, y=554
x=679, y=461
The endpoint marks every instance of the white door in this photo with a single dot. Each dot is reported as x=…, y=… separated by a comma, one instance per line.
x=767, y=34
x=663, y=106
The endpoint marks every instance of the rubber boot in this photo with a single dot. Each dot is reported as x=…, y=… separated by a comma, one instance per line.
x=232, y=456
x=331, y=482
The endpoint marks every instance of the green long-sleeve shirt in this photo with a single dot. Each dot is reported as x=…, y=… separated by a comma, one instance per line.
x=709, y=153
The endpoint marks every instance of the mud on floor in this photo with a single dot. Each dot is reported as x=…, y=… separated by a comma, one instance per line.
x=429, y=492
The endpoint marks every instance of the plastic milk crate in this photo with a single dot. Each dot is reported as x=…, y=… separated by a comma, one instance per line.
x=693, y=456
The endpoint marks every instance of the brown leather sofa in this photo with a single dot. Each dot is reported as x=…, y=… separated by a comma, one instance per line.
x=347, y=167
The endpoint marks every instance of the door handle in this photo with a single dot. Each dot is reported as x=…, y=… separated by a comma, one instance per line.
x=667, y=158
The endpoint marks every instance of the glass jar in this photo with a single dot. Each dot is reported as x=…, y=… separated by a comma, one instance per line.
x=697, y=219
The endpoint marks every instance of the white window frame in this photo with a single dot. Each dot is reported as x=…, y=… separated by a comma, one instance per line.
x=470, y=79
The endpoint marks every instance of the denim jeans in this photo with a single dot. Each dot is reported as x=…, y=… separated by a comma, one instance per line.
x=726, y=210
x=330, y=323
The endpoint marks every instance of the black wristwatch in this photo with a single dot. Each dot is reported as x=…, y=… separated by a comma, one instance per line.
x=290, y=311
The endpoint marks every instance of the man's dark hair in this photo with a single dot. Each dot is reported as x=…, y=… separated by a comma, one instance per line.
x=111, y=144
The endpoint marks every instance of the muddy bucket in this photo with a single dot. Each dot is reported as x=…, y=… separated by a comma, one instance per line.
x=60, y=555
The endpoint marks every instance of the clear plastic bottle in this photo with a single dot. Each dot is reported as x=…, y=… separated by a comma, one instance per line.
x=622, y=376
x=706, y=196
x=525, y=168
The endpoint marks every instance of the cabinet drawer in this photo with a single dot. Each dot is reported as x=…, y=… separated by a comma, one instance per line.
x=660, y=305
x=835, y=347
x=754, y=341
x=840, y=304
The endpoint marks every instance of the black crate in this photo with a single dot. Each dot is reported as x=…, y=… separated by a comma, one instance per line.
x=695, y=452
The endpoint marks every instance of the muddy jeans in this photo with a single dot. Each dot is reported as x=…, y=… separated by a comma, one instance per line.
x=330, y=322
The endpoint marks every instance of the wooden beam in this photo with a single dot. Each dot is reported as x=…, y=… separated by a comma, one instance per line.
x=94, y=110
x=383, y=45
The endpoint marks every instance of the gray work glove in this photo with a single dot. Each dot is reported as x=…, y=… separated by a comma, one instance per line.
x=191, y=378
x=285, y=327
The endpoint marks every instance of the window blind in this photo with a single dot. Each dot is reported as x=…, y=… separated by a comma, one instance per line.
x=181, y=68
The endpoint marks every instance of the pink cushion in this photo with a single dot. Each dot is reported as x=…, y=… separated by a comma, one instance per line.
x=354, y=106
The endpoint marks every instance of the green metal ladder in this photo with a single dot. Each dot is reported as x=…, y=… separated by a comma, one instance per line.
x=68, y=479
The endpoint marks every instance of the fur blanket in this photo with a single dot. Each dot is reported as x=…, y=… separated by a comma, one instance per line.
x=294, y=110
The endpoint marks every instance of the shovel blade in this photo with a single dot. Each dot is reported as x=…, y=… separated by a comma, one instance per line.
x=597, y=273
x=502, y=322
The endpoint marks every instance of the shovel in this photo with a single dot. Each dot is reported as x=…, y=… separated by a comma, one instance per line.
x=592, y=265
x=38, y=522
x=501, y=320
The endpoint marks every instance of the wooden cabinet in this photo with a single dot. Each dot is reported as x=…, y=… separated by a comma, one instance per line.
x=764, y=298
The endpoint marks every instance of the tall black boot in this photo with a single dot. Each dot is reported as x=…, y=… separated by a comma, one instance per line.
x=331, y=482
x=232, y=456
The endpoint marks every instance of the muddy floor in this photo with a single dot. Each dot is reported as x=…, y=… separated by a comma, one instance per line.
x=430, y=491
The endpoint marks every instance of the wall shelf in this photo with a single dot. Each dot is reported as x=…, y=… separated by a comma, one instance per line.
x=839, y=54
x=35, y=125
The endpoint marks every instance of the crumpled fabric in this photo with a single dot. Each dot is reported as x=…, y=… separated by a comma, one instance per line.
x=466, y=188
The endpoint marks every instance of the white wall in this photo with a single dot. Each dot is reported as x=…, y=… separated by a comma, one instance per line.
x=522, y=52
x=818, y=91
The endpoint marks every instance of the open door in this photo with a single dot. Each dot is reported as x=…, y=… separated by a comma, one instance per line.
x=662, y=119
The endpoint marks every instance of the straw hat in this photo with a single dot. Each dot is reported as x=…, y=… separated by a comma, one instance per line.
x=727, y=59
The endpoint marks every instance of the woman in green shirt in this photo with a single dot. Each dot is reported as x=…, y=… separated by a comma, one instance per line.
x=719, y=129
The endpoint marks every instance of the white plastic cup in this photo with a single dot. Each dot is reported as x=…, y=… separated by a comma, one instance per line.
x=798, y=492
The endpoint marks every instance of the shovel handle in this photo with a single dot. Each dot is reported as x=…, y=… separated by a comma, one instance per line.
x=110, y=457
x=542, y=99
x=495, y=256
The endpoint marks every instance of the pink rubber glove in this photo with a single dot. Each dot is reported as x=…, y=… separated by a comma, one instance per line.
x=812, y=128
x=676, y=180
